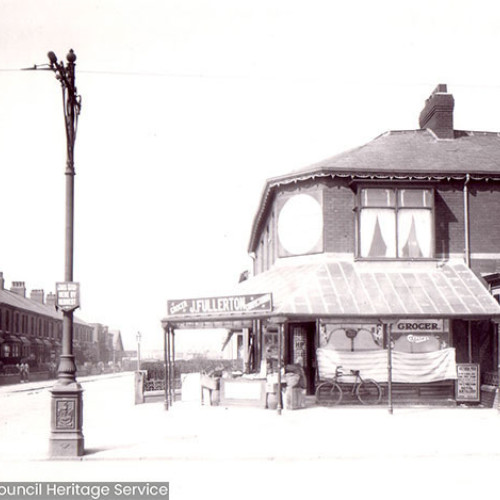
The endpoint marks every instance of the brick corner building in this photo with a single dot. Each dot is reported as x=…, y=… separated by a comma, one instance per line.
x=388, y=250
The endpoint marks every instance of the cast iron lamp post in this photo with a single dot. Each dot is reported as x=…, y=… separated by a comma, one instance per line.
x=66, y=438
x=67, y=402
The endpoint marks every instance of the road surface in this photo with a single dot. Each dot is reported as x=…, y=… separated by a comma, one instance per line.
x=243, y=453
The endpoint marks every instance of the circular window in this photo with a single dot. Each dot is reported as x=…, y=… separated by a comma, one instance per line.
x=300, y=224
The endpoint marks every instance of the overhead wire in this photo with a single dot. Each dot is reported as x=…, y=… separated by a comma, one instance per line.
x=266, y=76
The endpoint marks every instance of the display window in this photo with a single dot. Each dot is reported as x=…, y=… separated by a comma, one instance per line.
x=396, y=223
x=351, y=337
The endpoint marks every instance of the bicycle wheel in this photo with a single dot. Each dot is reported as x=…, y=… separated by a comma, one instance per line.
x=369, y=392
x=328, y=393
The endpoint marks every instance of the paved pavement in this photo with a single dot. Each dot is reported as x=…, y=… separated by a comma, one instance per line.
x=115, y=428
x=240, y=452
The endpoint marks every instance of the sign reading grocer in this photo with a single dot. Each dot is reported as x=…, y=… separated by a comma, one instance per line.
x=232, y=304
x=410, y=326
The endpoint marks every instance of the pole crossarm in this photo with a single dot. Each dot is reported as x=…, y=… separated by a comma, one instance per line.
x=72, y=102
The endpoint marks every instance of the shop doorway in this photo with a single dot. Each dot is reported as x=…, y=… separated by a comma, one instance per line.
x=476, y=343
x=300, y=350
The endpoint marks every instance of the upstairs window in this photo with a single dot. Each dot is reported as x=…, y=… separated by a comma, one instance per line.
x=396, y=223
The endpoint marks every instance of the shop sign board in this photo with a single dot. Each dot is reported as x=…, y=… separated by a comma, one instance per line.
x=467, y=386
x=410, y=326
x=68, y=295
x=221, y=306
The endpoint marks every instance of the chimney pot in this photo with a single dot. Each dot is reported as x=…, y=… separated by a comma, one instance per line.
x=50, y=299
x=37, y=296
x=19, y=288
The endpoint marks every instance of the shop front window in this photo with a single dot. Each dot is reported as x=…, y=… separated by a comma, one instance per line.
x=6, y=350
x=396, y=223
x=351, y=337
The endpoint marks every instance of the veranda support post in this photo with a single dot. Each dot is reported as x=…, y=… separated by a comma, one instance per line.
x=172, y=366
x=165, y=364
x=169, y=371
x=388, y=334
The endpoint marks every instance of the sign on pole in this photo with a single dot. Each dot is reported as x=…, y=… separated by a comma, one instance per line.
x=68, y=295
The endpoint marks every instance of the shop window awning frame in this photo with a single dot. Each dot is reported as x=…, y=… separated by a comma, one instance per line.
x=333, y=290
x=336, y=291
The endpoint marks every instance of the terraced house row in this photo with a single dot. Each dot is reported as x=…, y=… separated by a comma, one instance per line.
x=31, y=331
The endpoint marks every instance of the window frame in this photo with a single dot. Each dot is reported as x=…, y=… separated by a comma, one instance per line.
x=396, y=208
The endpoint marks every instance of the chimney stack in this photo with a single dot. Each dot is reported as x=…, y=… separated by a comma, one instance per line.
x=50, y=300
x=19, y=288
x=2, y=281
x=37, y=296
x=437, y=114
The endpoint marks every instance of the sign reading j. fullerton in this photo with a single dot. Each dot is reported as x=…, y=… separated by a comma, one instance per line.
x=220, y=305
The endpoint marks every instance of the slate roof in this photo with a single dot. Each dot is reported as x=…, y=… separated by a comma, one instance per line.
x=419, y=152
x=411, y=154
x=19, y=302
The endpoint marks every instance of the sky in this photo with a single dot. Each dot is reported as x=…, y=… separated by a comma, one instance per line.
x=188, y=106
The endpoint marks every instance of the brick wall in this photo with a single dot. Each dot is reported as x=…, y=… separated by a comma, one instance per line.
x=339, y=217
x=449, y=219
x=484, y=206
x=339, y=203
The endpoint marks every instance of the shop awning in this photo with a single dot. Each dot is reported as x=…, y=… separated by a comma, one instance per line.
x=11, y=338
x=333, y=288
x=24, y=340
x=323, y=288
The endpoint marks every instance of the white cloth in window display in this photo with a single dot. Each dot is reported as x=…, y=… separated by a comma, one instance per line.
x=414, y=231
x=378, y=233
x=406, y=367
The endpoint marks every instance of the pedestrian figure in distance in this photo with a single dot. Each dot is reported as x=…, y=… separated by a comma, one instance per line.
x=19, y=366
x=23, y=368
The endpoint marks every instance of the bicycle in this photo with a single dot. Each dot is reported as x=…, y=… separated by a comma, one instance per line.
x=366, y=390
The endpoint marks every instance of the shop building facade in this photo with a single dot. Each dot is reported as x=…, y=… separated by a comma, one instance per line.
x=390, y=251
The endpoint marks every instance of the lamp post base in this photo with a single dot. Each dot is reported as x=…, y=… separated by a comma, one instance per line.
x=66, y=437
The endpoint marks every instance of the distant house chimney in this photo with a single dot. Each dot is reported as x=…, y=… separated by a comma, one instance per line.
x=437, y=114
x=37, y=296
x=19, y=288
x=50, y=300
x=2, y=281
